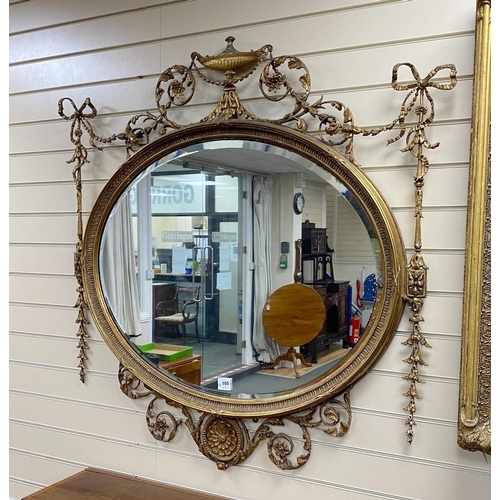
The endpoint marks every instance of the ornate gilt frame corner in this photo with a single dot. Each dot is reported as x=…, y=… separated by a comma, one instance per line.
x=474, y=412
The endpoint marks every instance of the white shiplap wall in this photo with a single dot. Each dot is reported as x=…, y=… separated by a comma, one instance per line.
x=112, y=52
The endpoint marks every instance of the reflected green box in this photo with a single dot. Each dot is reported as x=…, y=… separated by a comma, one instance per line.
x=166, y=352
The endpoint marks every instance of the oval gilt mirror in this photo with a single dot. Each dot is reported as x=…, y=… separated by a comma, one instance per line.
x=196, y=231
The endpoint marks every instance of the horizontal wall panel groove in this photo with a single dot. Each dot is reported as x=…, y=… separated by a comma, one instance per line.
x=88, y=37
x=54, y=183
x=142, y=411
x=449, y=337
x=59, y=213
x=45, y=17
x=19, y=399
x=258, y=100
x=45, y=468
x=46, y=336
x=440, y=358
x=40, y=244
x=50, y=138
x=108, y=33
x=436, y=251
x=127, y=7
x=73, y=401
x=120, y=145
x=453, y=138
x=19, y=487
x=403, y=458
x=143, y=453
x=330, y=447
x=425, y=373
x=89, y=372
x=443, y=294
x=401, y=417
x=35, y=107
x=89, y=435
x=51, y=351
x=387, y=396
x=41, y=228
x=41, y=214
x=42, y=305
x=42, y=110
x=22, y=274
x=430, y=208
x=412, y=166
x=139, y=62
x=98, y=388
x=144, y=62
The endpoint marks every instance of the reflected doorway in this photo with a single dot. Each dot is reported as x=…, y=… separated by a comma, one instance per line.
x=197, y=290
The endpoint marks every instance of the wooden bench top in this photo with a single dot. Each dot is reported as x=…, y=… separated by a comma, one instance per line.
x=93, y=484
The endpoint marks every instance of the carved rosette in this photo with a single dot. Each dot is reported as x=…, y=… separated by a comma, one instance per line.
x=225, y=441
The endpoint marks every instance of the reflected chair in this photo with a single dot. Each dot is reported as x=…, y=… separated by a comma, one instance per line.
x=179, y=310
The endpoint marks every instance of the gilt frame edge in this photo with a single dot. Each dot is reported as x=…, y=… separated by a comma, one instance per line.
x=474, y=412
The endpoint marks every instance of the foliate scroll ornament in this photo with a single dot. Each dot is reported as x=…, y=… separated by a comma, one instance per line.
x=162, y=425
x=228, y=441
x=272, y=79
x=175, y=87
x=130, y=385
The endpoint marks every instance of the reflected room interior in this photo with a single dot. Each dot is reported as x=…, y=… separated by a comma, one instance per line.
x=196, y=246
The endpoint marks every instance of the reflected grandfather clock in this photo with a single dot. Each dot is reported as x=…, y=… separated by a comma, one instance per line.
x=317, y=272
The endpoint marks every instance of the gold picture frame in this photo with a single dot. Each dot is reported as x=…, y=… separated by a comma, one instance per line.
x=474, y=414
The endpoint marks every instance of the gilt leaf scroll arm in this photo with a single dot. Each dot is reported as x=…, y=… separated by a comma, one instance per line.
x=229, y=441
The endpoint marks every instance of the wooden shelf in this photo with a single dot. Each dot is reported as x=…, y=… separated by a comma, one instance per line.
x=187, y=368
x=91, y=484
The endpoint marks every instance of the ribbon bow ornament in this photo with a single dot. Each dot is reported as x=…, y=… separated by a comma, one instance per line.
x=80, y=119
x=418, y=90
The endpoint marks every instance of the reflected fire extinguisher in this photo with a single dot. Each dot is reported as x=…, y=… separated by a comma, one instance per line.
x=354, y=326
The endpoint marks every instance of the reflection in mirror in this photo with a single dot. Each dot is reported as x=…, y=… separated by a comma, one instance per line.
x=198, y=243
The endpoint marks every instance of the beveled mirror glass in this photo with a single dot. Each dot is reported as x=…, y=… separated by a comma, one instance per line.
x=181, y=151
x=201, y=214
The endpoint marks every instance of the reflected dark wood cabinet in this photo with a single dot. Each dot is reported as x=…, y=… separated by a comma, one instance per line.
x=317, y=271
x=336, y=327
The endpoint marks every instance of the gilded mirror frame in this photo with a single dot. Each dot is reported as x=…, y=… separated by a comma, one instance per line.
x=318, y=403
x=385, y=316
x=474, y=412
